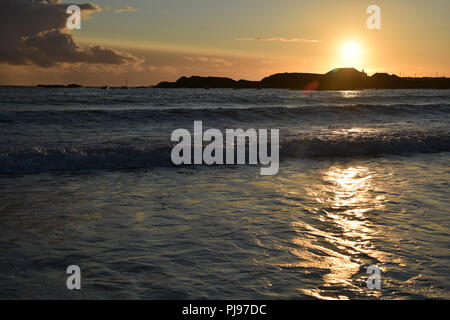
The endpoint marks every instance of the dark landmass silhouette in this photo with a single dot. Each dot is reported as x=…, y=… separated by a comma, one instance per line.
x=73, y=85
x=336, y=79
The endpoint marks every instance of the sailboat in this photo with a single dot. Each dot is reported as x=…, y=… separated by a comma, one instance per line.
x=126, y=84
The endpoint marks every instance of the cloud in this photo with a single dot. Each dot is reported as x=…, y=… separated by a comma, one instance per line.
x=127, y=8
x=33, y=32
x=210, y=60
x=163, y=69
x=278, y=39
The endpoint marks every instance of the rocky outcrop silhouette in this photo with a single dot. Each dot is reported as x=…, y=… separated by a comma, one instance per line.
x=336, y=79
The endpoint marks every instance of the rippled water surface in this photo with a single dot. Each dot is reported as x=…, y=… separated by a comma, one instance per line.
x=86, y=179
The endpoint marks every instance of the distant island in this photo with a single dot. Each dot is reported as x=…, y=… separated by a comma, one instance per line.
x=336, y=79
x=73, y=85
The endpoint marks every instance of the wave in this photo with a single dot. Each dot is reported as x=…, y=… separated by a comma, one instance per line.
x=41, y=160
x=366, y=145
x=255, y=113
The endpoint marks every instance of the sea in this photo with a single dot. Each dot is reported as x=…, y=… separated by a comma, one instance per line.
x=358, y=210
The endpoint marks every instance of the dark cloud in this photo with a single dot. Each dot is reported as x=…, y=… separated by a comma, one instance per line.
x=33, y=32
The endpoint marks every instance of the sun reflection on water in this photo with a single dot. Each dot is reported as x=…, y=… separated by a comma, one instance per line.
x=340, y=241
x=350, y=93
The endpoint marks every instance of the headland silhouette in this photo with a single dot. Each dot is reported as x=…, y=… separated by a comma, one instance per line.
x=336, y=79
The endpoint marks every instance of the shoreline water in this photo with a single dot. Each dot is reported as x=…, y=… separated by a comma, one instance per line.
x=86, y=180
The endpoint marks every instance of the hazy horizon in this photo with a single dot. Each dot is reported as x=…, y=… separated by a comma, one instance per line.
x=188, y=76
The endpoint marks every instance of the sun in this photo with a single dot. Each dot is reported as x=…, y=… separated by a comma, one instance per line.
x=350, y=51
x=351, y=54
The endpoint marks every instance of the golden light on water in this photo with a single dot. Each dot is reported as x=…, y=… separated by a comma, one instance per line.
x=352, y=185
x=350, y=93
x=340, y=243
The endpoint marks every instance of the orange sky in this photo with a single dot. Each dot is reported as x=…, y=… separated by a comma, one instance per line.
x=248, y=39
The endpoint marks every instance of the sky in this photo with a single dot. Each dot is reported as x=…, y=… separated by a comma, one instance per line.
x=147, y=41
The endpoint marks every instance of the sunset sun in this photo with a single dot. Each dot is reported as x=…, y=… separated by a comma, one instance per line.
x=351, y=54
x=351, y=50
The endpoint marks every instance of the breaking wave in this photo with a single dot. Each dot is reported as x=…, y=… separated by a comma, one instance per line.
x=41, y=160
x=249, y=114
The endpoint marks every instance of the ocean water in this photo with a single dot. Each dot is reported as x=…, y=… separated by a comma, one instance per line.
x=86, y=179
